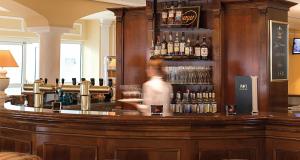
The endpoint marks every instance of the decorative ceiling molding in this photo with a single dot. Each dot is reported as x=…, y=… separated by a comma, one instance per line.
x=18, y=23
x=134, y=3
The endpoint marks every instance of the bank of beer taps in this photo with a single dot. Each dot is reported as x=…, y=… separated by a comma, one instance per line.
x=85, y=89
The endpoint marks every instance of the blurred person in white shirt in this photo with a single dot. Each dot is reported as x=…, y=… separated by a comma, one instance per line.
x=156, y=91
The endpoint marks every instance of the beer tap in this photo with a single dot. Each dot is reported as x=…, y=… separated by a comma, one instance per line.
x=38, y=94
x=56, y=96
x=85, y=89
x=74, y=81
x=85, y=96
x=92, y=81
x=100, y=81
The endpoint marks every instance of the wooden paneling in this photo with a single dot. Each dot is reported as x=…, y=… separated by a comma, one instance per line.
x=14, y=145
x=147, y=149
x=282, y=148
x=68, y=152
x=283, y=154
x=54, y=136
x=66, y=147
x=135, y=46
x=241, y=47
x=231, y=149
x=14, y=139
x=131, y=46
x=246, y=49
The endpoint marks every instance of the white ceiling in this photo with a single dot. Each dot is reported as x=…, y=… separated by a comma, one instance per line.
x=134, y=3
x=294, y=16
x=100, y=15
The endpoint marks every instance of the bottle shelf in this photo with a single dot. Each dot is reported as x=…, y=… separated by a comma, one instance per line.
x=171, y=28
x=183, y=61
x=189, y=63
x=193, y=84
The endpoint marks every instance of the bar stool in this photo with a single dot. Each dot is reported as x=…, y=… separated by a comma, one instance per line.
x=17, y=156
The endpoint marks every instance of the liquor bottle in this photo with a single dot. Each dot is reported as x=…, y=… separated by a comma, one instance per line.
x=200, y=103
x=194, y=103
x=176, y=45
x=151, y=51
x=171, y=14
x=204, y=49
x=157, y=47
x=206, y=101
x=210, y=101
x=182, y=44
x=164, y=44
x=170, y=45
x=178, y=103
x=197, y=48
x=214, y=103
x=164, y=15
x=178, y=13
x=172, y=103
x=186, y=102
x=187, y=47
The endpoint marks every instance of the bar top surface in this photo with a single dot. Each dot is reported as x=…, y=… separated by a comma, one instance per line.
x=36, y=114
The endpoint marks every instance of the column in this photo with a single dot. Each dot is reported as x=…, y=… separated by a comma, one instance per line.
x=105, y=25
x=50, y=40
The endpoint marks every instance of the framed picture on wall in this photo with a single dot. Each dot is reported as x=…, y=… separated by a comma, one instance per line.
x=278, y=51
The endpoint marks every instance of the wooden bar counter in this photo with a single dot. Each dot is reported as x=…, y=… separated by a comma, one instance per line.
x=73, y=135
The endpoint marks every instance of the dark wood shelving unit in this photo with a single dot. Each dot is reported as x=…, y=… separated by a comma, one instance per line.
x=207, y=26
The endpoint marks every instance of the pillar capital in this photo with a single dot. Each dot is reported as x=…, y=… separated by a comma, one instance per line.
x=105, y=22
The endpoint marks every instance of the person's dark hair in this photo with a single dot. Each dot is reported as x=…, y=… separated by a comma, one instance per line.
x=158, y=65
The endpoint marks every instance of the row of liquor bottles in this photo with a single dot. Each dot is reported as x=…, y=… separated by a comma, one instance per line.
x=183, y=47
x=172, y=13
x=194, y=102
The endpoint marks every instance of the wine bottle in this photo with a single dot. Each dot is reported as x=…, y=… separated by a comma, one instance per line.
x=176, y=44
x=204, y=49
x=187, y=47
x=157, y=50
x=171, y=14
x=164, y=44
x=178, y=14
x=164, y=15
x=197, y=48
x=182, y=44
x=170, y=45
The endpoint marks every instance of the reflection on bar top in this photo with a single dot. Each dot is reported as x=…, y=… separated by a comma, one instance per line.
x=32, y=109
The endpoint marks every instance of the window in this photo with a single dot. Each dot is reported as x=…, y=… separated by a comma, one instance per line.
x=32, y=62
x=26, y=55
x=14, y=73
x=70, y=61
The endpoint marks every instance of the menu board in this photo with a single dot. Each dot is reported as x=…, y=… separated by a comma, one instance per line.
x=278, y=50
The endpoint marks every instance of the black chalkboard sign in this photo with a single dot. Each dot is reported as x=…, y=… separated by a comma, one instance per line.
x=278, y=50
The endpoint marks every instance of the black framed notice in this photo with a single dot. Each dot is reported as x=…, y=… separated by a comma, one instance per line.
x=278, y=50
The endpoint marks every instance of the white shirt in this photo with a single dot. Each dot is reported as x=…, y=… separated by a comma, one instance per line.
x=156, y=92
